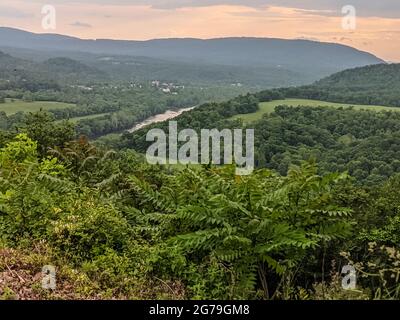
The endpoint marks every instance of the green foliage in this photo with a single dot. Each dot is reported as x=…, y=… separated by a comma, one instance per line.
x=41, y=127
x=22, y=149
x=86, y=229
x=250, y=226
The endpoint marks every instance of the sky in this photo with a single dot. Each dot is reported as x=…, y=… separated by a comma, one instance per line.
x=375, y=27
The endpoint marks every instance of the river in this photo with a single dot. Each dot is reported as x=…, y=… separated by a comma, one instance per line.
x=170, y=114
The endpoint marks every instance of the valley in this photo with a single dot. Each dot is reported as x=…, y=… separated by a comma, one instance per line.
x=78, y=193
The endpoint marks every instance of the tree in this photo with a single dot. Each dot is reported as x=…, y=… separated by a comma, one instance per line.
x=41, y=127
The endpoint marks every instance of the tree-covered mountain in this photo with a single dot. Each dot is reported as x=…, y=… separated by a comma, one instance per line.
x=139, y=69
x=30, y=75
x=71, y=70
x=375, y=84
x=11, y=66
x=245, y=60
x=24, y=74
x=369, y=77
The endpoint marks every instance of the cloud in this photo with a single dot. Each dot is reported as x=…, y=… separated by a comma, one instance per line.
x=315, y=12
x=9, y=12
x=307, y=38
x=80, y=24
x=365, y=8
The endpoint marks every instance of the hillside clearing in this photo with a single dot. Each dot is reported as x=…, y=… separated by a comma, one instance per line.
x=11, y=107
x=268, y=107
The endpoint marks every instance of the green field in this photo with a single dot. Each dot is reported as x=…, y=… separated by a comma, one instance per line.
x=18, y=105
x=268, y=107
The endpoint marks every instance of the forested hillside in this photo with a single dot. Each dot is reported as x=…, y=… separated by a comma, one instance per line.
x=23, y=73
x=47, y=75
x=376, y=84
x=374, y=76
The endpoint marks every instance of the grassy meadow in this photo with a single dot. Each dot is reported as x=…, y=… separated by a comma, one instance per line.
x=14, y=106
x=268, y=107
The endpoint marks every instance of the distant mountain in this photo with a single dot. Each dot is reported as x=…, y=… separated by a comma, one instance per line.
x=11, y=66
x=379, y=76
x=293, y=61
x=27, y=74
x=375, y=85
x=132, y=68
x=71, y=70
x=47, y=74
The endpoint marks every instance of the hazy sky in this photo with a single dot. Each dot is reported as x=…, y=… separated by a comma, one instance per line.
x=377, y=24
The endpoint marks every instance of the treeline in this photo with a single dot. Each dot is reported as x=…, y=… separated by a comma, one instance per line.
x=364, y=143
x=364, y=96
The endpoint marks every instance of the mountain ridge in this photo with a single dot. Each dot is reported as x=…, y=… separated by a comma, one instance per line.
x=284, y=62
x=14, y=42
x=68, y=37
